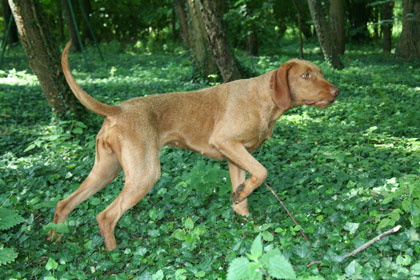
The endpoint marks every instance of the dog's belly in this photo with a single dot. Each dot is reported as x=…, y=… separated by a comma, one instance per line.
x=202, y=148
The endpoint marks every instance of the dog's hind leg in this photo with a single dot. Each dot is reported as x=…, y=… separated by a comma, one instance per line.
x=105, y=169
x=140, y=162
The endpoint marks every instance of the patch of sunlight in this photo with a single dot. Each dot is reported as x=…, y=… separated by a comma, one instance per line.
x=295, y=119
x=13, y=77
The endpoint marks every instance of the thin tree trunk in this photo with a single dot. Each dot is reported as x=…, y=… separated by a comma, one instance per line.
x=173, y=24
x=324, y=34
x=85, y=28
x=183, y=22
x=43, y=56
x=204, y=63
x=252, y=43
x=387, y=12
x=337, y=24
x=70, y=23
x=299, y=18
x=225, y=60
x=13, y=35
x=409, y=44
x=60, y=19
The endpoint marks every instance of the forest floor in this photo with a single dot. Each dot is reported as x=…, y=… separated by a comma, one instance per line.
x=347, y=173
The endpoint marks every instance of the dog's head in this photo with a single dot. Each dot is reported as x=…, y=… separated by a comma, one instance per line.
x=299, y=82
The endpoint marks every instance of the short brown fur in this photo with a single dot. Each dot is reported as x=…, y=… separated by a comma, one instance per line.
x=225, y=122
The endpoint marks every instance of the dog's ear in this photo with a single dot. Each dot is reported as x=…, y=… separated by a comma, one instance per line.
x=280, y=86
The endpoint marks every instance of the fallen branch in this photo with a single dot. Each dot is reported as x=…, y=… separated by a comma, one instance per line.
x=312, y=263
x=377, y=238
x=287, y=210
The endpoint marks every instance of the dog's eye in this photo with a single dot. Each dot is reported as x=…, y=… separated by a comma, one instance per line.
x=306, y=76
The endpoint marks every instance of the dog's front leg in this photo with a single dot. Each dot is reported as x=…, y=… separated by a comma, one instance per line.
x=240, y=157
x=237, y=177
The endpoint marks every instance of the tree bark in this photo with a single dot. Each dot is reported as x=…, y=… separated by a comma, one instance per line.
x=337, y=24
x=299, y=19
x=43, y=56
x=70, y=24
x=387, y=12
x=13, y=35
x=359, y=13
x=409, y=44
x=60, y=19
x=179, y=4
x=252, y=43
x=85, y=28
x=323, y=31
x=204, y=63
x=225, y=60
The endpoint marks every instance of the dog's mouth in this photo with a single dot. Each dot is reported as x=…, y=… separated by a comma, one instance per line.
x=321, y=103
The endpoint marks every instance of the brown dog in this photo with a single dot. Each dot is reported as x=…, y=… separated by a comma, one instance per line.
x=225, y=122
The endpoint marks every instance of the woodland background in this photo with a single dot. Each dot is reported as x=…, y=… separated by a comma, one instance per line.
x=347, y=173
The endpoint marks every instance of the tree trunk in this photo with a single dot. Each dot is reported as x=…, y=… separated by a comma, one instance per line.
x=225, y=60
x=179, y=4
x=70, y=23
x=13, y=35
x=299, y=19
x=43, y=56
x=324, y=34
x=85, y=28
x=359, y=13
x=387, y=12
x=409, y=44
x=204, y=63
x=252, y=43
x=337, y=24
x=60, y=19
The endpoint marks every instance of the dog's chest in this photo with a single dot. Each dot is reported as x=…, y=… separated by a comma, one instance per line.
x=258, y=140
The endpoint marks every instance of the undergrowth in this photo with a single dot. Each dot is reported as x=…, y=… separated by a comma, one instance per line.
x=347, y=173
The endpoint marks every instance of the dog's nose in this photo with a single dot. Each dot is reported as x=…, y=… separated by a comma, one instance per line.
x=334, y=91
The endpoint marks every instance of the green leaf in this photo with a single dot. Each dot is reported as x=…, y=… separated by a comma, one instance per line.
x=158, y=275
x=77, y=130
x=256, y=248
x=9, y=218
x=179, y=234
x=95, y=201
x=354, y=268
x=404, y=260
x=238, y=269
x=61, y=228
x=415, y=269
x=351, y=227
x=199, y=230
x=179, y=274
x=51, y=264
x=200, y=274
x=277, y=265
x=30, y=147
x=267, y=236
x=189, y=223
x=80, y=124
x=254, y=271
x=7, y=255
x=386, y=222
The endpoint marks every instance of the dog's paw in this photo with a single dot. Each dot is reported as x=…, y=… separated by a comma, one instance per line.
x=241, y=208
x=236, y=196
x=54, y=237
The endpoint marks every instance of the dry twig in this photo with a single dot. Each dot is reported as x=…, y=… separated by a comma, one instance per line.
x=287, y=210
x=370, y=242
x=364, y=246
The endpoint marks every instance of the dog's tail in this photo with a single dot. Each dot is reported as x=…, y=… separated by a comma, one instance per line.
x=88, y=101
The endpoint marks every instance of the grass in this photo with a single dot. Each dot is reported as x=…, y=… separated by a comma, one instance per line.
x=336, y=169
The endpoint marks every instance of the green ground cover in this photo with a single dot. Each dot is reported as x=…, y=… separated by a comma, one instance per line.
x=347, y=173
